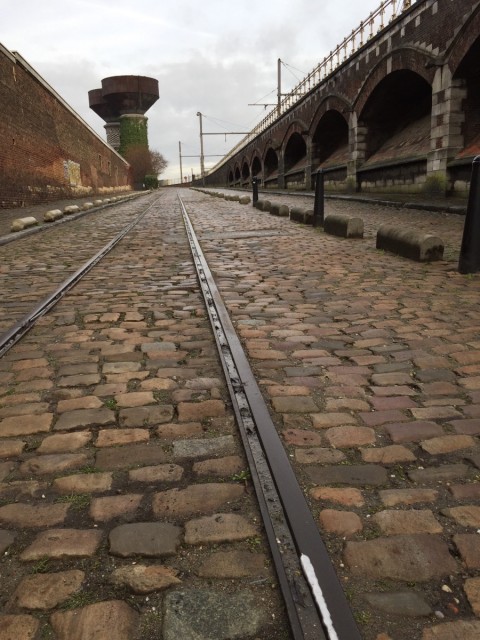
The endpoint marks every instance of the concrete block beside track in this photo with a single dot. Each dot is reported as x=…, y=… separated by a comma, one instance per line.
x=263, y=205
x=304, y=216
x=279, y=210
x=410, y=243
x=52, y=215
x=343, y=226
x=309, y=216
x=244, y=199
x=19, y=224
x=71, y=208
x=87, y=205
x=97, y=203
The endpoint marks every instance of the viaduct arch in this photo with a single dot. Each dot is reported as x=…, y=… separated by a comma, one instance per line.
x=402, y=114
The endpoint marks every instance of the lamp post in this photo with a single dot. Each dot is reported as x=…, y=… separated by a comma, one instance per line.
x=202, y=159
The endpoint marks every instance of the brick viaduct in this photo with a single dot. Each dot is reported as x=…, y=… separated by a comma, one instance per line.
x=401, y=114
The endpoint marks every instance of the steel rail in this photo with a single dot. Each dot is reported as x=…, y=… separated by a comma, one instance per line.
x=47, y=226
x=16, y=333
x=315, y=602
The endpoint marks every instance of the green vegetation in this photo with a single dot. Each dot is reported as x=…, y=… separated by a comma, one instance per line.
x=133, y=131
x=78, y=600
x=77, y=501
x=111, y=403
x=41, y=566
x=151, y=182
x=242, y=476
x=435, y=185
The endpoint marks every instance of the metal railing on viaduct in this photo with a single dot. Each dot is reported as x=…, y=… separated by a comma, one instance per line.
x=393, y=108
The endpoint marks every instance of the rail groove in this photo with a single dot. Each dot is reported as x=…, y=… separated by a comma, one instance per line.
x=17, y=331
x=315, y=602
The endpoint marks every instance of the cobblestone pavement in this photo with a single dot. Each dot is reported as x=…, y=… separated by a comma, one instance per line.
x=125, y=507
x=371, y=366
x=125, y=511
x=35, y=264
x=7, y=216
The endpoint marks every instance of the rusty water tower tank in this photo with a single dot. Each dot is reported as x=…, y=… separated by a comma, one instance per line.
x=122, y=102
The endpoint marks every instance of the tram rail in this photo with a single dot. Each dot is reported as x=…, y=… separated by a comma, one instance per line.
x=10, y=337
x=315, y=602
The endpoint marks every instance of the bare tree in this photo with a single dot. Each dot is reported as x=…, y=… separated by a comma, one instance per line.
x=159, y=164
x=144, y=162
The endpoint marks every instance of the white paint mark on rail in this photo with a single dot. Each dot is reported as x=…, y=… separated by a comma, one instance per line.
x=318, y=595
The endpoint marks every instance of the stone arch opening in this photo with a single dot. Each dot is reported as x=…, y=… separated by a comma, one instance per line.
x=230, y=177
x=256, y=167
x=295, y=160
x=466, y=94
x=397, y=118
x=468, y=74
x=245, y=171
x=295, y=152
x=271, y=163
x=237, y=176
x=330, y=140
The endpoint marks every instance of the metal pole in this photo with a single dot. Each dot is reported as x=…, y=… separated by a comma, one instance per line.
x=279, y=86
x=319, y=203
x=180, y=153
x=469, y=261
x=255, y=190
x=202, y=161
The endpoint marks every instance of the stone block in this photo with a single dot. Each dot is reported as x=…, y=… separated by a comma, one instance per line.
x=263, y=205
x=410, y=243
x=72, y=208
x=297, y=214
x=52, y=215
x=419, y=558
x=280, y=210
x=19, y=224
x=309, y=216
x=343, y=226
x=107, y=619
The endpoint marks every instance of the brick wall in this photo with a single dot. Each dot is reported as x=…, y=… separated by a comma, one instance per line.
x=46, y=150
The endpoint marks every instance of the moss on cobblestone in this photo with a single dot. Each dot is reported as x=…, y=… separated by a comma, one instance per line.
x=77, y=501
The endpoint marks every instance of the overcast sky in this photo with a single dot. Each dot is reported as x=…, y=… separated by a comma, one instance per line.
x=214, y=57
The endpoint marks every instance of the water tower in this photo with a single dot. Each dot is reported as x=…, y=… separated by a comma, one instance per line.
x=122, y=102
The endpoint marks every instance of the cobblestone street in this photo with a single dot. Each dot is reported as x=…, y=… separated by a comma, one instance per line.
x=126, y=509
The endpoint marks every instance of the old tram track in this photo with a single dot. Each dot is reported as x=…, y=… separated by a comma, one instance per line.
x=10, y=337
x=316, y=605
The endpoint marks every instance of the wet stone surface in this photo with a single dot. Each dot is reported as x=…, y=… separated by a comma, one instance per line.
x=121, y=468
x=208, y=615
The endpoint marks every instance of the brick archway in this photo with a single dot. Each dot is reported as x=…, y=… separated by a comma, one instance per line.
x=407, y=59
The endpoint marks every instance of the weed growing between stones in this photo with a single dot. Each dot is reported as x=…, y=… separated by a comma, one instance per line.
x=242, y=476
x=111, y=403
x=77, y=501
x=81, y=599
x=88, y=469
x=41, y=566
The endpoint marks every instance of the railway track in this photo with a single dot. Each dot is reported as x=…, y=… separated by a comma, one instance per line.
x=314, y=600
x=19, y=329
x=132, y=337
x=44, y=257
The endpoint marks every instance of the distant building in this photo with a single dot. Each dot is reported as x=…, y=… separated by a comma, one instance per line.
x=122, y=102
